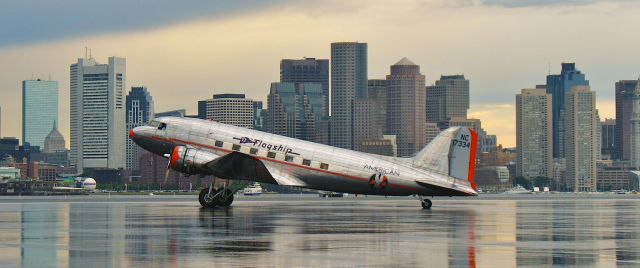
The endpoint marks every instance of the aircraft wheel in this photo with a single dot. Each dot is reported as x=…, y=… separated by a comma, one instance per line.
x=426, y=204
x=226, y=201
x=207, y=201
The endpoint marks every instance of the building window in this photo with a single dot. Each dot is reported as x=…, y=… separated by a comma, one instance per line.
x=288, y=158
x=271, y=155
x=253, y=151
x=324, y=166
x=235, y=147
x=306, y=162
x=219, y=143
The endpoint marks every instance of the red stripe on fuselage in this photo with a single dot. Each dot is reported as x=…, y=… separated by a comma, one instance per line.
x=283, y=162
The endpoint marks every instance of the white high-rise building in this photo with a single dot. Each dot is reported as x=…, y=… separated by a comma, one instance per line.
x=98, y=114
x=534, y=134
x=581, y=145
x=635, y=128
x=231, y=109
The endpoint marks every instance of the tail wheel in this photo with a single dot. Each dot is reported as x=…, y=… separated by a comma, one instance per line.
x=426, y=204
x=206, y=200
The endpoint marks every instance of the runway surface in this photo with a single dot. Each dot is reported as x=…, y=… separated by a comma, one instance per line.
x=295, y=231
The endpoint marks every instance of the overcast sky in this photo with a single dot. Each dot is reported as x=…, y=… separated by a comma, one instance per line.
x=185, y=51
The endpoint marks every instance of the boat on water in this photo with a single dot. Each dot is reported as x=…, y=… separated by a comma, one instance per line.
x=517, y=190
x=253, y=189
x=325, y=194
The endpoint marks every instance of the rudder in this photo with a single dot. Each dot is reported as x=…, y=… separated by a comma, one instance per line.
x=452, y=152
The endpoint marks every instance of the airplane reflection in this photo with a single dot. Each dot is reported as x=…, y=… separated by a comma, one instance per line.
x=458, y=234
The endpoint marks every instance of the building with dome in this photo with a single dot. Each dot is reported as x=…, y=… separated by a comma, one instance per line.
x=55, y=151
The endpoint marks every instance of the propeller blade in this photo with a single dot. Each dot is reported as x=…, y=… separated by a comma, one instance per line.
x=166, y=176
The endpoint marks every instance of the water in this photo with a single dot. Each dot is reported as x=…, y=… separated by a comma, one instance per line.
x=311, y=232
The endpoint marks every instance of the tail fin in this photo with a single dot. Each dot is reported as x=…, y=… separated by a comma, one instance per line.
x=452, y=152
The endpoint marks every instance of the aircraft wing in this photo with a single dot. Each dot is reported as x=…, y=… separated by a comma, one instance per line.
x=239, y=166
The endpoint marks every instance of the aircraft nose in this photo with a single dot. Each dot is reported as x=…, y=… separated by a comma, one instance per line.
x=136, y=133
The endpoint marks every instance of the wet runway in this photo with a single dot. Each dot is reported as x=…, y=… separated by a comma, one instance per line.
x=312, y=232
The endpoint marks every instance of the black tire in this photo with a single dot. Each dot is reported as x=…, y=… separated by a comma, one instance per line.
x=426, y=204
x=204, y=202
x=225, y=202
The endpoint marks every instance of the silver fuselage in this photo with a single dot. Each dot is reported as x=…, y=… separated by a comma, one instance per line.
x=301, y=163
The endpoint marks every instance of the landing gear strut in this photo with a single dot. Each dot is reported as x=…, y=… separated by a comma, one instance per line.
x=221, y=197
x=426, y=203
x=217, y=197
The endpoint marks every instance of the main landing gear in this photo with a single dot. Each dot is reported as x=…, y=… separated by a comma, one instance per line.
x=426, y=203
x=221, y=197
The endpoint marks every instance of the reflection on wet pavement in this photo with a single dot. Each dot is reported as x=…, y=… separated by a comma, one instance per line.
x=308, y=233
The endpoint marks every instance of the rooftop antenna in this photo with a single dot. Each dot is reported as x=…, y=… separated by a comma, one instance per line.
x=549, y=65
x=85, y=52
x=90, y=53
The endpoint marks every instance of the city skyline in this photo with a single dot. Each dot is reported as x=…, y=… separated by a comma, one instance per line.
x=158, y=56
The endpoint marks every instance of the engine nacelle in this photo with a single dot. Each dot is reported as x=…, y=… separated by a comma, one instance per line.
x=190, y=160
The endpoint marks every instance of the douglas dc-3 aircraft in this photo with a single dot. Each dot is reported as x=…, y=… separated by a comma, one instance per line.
x=445, y=167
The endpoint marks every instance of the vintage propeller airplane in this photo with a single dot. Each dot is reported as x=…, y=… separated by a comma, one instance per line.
x=445, y=167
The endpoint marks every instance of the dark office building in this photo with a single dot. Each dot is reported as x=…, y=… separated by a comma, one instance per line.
x=624, y=111
x=608, y=137
x=558, y=85
x=307, y=70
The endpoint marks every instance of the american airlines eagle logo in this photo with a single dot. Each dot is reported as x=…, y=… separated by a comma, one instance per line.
x=259, y=143
x=378, y=181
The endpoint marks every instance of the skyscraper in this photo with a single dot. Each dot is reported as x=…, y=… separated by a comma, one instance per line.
x=139, y=112
x=98, y=114
x=406, y=97
x=231, y=109
x=377, y=92
x=295, y=109
x=348, y=82
x=39, y=110
x=55, y=151
x=624, y=111
x=581, y=148
x=448, y=98
x=54, y=142
x=533, y=134
x=608, y=138
x=365, y=126
x=258, y=115
x=307, y=70
x=558, y=85
x=635, y=128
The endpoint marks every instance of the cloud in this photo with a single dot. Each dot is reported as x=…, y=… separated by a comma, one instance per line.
x=538, y=3
x=31, y=21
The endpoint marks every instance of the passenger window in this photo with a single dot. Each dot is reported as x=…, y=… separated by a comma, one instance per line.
x=324, y=166
x=219, y=143
x=162, y=126
x=306, y=162
x=271, y=155
x=253, y=151
x=288, y=158
x=236, y=147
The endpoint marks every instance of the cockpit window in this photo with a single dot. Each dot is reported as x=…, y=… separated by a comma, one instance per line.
x=157, y=124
